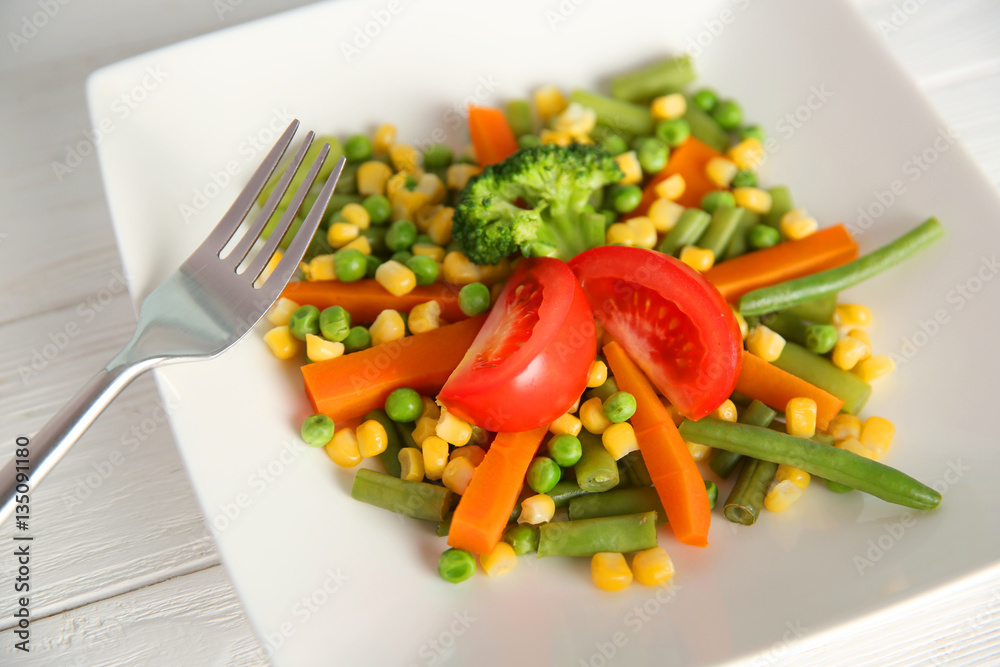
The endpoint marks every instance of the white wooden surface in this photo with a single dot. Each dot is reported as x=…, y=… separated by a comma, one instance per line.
x=124, y=570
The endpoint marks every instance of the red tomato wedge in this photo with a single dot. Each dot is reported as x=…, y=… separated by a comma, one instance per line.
x=531, y=359
x=670, y=320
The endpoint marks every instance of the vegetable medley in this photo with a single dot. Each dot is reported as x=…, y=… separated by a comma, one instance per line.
x=583, y=327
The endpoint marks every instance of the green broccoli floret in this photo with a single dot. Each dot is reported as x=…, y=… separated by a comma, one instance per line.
x=555, y=184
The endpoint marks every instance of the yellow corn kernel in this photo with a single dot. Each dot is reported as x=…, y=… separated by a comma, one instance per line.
x=537, y=509
x=547, y=136
x=852, y=315
x=671, y=187
x=458, y=269
x=592, y=416
x=396, y=278
x=341, y=233
x=404, y=157
x=619, y=440
x=844, y=426
x=799, y=478
x=800, y=417
x=619, y=233
x=361, y=244
x=664, y=214
x=411, y=463
x=726, y=411
x=372, y=438
x=848, y=352
x=343, y=449
x=357, y=215
x=431, y=408
x=568, y=424
x=491, y=274
x=609, y=571
x=797, y=224
x=439, y=227
x=628, y=162
x=652, y=567
x=549, y=101
x=668, y=107
x=575, y=120
x=372, y=177
x=854, y=446
x=474, y=454
x=321, y=349
x=424, y=216
x=321, y=268
x=281, y=342
x=765, y=343
x=699, y=259
x=385, y=136
x=644, y=231
x=861, y=335
x=598, y=374
x=877, y=434
x=781, y=497
x=432, y=186
x=457, y=474
x=281, y=311
x=459, y=174
x=453, y=430
x=435, y=252
x=424, y=429
x=499, y=561
x=575, y=407
x=269, y=268
x=720, y=170
x=748, y=154
x=435, y=451
x=874, y=367
x=425, y=317
x=742, y=321
x=387, y=327
x=406, y=203
x=396, y=184
x=698, y=451
x=753, y=199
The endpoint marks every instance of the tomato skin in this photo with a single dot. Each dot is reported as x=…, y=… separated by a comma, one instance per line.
x=672, y=322
x=530, y=362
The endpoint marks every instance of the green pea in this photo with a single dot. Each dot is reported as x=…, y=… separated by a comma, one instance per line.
x=820, y=338
x=474, y=299
x=424, y=268
x=347, y=184
x=357, y=149
x=543, y=474
x=335, y=323
x=402, y=256
x=762, y=236
x=378, y=207
x=401, y=235
x=619, y=407
x=744, y=178
x=751, y=131
x=456, y=565
x=713, y=493
x=371, y=265
x=716, y=199
x=376, y=239
x=728, y=114
x=522, y=537
x=653, y=155
x=528, y=141
x=625, y=198
x=304, y=320
x=317, y=430
x=349, y=265
x=404, y=405
x=673, y=132
x=437, y=156
x=705, y=99
x=425, y=238
x=565, y=449
x=610, y=217
x=614, y=144
x=357, y=339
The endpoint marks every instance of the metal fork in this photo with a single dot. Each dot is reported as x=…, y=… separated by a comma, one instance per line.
x=201, y=310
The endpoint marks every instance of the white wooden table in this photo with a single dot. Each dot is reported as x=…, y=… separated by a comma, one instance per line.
x=124, y=570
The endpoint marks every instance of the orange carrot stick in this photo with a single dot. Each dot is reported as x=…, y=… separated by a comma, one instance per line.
x=823, y=250
x=365, y=299
x=353, y=384
x=688, y=160
x=492, y=137
x=484, y=509
x=675, y=475
x=774, y=387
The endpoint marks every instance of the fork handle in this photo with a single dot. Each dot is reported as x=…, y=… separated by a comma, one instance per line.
x=61, y=432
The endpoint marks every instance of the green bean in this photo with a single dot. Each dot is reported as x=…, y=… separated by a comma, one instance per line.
x=793, y=292
x=818, y=310
x=836, y=487
x=747, y=497
x=348, y=181
x=712, y=489
x=781, y=203
x=623, y=117
x=617, y=502
x=522, y=537
x=565, y=491
x=390, y=455
x=820, y=338
x=416, y=499
x=723, y=225
x=443, y=526
x=519, y=117
x=661, y=78
x=456, y=565
x=528, y=141
x=689, y=228
x=586, y=537
x=756, y=414
x=789, y=326
x=705, y=128
x=833, y=463
x=821, y=372
x=635, y=468
x=317, y=430
x=596, y=470
x=738, y=244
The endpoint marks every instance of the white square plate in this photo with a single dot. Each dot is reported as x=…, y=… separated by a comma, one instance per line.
x=326, y=580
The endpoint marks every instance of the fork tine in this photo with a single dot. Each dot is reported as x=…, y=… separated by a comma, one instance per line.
x=239, y=252
x=230, y=222
x=258, y=263
x=297, y=248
